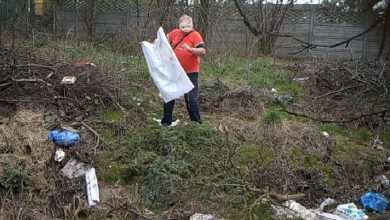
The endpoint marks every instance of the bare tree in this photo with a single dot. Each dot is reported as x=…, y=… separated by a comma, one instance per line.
x=262, y=19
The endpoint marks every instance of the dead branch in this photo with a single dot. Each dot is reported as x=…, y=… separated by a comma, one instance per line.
x=381, y=112
x=96, y=135
x=30, y=65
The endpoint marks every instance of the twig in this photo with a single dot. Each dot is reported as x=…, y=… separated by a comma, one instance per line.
x=31, y=65
x=278, y=196
x=337, y=91
x=96, y=134
x=333, y=121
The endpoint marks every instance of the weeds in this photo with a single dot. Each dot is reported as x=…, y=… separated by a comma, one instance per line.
x=272, y=116
x=15, y=177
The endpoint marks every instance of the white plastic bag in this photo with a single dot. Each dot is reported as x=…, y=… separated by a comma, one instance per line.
x=165, y=69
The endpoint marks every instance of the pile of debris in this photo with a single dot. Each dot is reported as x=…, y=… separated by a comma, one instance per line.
x=39, y=179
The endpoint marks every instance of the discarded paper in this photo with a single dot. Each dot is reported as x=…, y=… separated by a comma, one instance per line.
x=92, y=187
x=74, y=169
x=68, y=80
x=59, y=155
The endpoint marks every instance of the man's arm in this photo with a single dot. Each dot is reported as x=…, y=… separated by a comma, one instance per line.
x=199, y=51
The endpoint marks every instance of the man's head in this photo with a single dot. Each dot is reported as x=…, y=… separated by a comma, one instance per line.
x=185, y=24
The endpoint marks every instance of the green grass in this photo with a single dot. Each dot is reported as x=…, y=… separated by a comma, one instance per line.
x=113, y=114
x=168, y=162
x=363, y=135
x=272, y=116
x=198, y=163
x=256, y=73
x=333, y=129
x=385, y=137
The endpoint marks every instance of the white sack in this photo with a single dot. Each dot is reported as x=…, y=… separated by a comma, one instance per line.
x=165, y=69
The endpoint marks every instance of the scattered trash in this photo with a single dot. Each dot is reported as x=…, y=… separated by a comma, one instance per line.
x=68, y=80
x=292, y=209
x=284, y=98
x=273, y=90
x=351, y=211
x=74, y=169
x=301, y=79
x=59, y=155
x=326, y=202
x=92, y=187
x=81, y=64
x=383, y=181
x=64, y=138
x=325, y=134
x=198, y=216
x=374, y=202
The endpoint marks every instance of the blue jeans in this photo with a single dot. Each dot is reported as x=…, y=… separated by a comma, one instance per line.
x=192, y=103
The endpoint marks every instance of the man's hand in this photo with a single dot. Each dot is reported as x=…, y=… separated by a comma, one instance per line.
x=197, y=51
x=187, y=47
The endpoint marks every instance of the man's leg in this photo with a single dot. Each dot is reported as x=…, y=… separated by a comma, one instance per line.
x=192, y=99
x=168, y=111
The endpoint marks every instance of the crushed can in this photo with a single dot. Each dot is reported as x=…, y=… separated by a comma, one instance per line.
x=383, y=181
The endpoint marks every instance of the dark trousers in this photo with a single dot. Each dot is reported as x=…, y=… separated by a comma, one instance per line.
x=192, y=103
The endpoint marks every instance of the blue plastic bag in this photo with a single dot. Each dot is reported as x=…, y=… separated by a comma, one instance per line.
x=64, y=138
x=374, y=202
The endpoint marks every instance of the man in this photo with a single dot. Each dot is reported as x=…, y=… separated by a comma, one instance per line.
x=188, y=46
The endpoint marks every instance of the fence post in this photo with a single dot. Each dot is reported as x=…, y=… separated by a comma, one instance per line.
x=365, y=43
x=311, y=25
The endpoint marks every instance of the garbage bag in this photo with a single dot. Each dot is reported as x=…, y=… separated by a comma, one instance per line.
x=165, y=69
x=64, y=138
x=374, y=202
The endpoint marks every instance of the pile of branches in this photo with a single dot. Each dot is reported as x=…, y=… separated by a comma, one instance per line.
x=244, y=102
x=347, y=92
x=31, y=77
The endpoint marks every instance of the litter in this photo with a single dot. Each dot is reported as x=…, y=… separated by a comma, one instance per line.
x=198, y=216
x=374, y=202
x=351, y=211
x=301, y=79
x=59, y=155
x=92, y=187
x=68, y=80
x=284, y=98
x=292, y=209
x=74, y=169
x=325, y=134
x=273, y=90
x=64, y=138
x=383, y=181
x=81, y=64
x=165, y=69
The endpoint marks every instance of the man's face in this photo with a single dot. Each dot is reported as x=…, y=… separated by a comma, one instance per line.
x=186, y=26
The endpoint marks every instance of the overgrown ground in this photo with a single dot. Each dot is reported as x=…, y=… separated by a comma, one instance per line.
x=251, y=151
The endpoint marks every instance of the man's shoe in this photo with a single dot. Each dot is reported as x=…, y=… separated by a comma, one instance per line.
x=173, y=124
